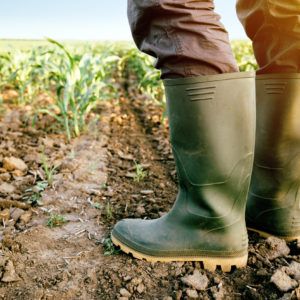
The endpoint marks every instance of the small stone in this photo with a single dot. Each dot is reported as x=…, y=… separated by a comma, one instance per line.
x=127, y=278
x=162, y=185
x=167, y=298
x=14, y=163
x=6, y=188
x=217, y=280
x=147, y=192
x=218, y=293
x=276, y=248
x=5, y=215
x=297, y=292
x=125, y=156
x=136, y=281
x=125, y=293
x=123, y=298
x=130, y=175
x=140, y=289
x=178, y=295
x=141, y=210
x=3, y=261
x=192, y=294
x=2, y=170
x=283, y=282
x=15, y=213
x=10, y=95
x=25, y=218
x=69, y=165
x=293, y=270
x=197, y=281
x=262, y=272
x=49, y=143
x=10, y=273
x=179, y=264
x=4, y=176
x=18, y=173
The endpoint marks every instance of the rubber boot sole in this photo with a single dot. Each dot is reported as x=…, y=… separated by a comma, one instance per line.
x=266, y=235
x=208, y=263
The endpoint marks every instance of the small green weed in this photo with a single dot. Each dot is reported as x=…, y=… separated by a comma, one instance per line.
x=56, y=220
x=50, y=171
x=140, y=173
x=109, y=247
x=33, y=195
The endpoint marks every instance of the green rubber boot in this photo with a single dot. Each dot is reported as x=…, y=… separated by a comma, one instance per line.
x=273, y=206
x=212, y=128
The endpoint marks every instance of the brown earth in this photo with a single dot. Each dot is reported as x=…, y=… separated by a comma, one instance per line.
x=96, y=184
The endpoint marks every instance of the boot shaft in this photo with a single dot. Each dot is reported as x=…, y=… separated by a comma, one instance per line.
x=274, y=202
x=212, y=128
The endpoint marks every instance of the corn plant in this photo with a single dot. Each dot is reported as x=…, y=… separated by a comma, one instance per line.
x=77, y=79
x=148, y=77
x=23, y=72
x=80, y=82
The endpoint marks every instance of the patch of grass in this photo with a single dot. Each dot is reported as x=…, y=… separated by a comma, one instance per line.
x=49, y=170
x=140, y=173
x=56, y=220
x=109, y=247
x=33, y=195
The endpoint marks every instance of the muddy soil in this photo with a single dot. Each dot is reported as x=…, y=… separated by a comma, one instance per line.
x=58, y=246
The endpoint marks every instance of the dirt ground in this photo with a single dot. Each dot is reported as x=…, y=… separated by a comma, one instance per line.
x=58, y=246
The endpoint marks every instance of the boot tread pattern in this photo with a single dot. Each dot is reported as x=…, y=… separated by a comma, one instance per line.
x=209, y=263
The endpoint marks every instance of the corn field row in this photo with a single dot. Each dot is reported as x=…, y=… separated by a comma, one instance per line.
x=77, y=78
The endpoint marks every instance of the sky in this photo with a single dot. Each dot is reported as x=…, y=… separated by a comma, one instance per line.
x=83, y=19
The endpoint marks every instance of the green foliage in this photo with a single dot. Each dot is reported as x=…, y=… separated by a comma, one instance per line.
x=244, y=55
x=49, y=170
x=79, y=75
x=135, y=62
x=140, y=174
x=79, y=81
x=22, y=71
x=109, y=247
x=76, y=78
x=33, y=195
x=56, y=220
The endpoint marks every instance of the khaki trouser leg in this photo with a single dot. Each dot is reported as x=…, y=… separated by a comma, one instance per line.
x=185, y=36
x=274, y=28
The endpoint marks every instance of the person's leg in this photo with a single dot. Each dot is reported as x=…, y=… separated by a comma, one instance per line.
x=274, y=28
x=185, y=36
x=273, y=206
x=212, y=121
